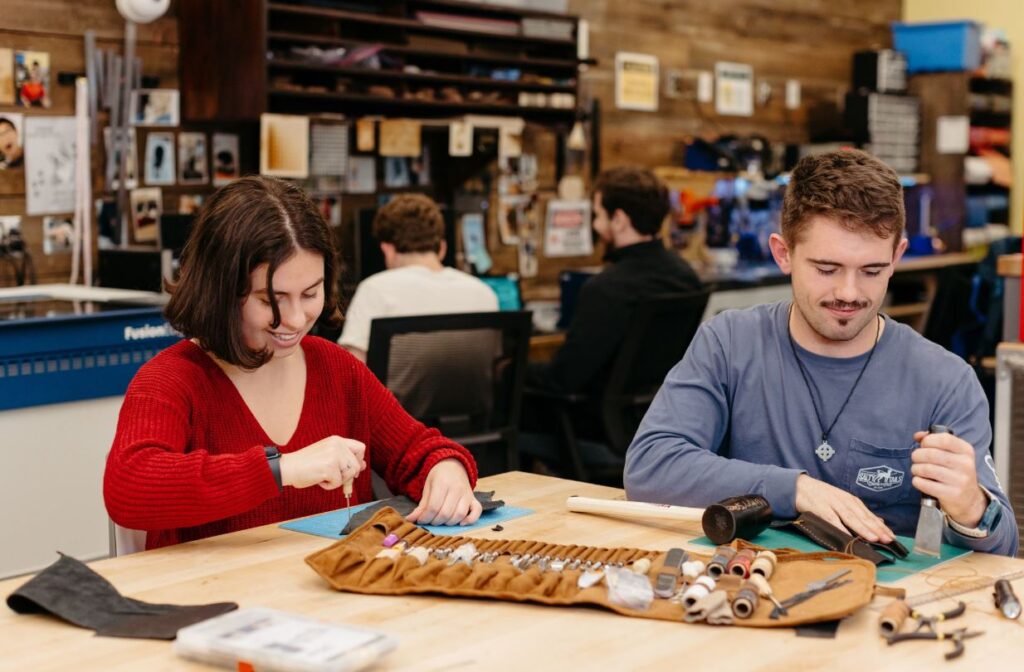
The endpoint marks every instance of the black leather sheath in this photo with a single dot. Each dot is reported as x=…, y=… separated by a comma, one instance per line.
x=827, y=535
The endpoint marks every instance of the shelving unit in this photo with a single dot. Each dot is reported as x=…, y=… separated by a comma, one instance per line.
x=419, y=58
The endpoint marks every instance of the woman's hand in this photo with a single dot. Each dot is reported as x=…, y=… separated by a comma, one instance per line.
x=327, y=463
x=447, y=497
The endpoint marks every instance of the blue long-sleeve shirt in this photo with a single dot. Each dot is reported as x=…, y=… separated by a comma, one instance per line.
x=735, y=417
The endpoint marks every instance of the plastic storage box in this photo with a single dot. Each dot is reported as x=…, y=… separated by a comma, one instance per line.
x=949, y=46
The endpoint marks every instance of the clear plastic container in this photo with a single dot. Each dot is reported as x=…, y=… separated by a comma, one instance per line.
x=272, y=640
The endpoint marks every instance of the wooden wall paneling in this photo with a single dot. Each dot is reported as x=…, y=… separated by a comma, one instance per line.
x=943, y=94
x=807, y=40
x=231, y=35
x=58, y=27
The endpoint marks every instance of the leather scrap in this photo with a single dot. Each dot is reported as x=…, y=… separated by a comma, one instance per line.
x=71, y=591
x=404, y=505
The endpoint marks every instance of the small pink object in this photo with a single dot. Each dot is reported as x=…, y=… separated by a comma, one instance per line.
x=390, y=540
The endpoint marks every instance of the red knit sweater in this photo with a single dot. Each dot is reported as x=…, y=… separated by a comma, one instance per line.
x=188, y=460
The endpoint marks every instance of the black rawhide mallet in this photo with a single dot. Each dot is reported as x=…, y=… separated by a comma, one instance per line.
x=742, y=517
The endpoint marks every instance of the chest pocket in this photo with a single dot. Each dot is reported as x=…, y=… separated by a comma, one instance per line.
x=879, y=476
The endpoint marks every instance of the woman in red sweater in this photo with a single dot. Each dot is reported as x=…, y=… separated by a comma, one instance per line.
x=250, y=421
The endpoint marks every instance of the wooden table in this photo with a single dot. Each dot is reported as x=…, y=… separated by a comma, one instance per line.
x=264, y=566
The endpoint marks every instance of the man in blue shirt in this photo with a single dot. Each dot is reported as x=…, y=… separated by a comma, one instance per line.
x=820, y=403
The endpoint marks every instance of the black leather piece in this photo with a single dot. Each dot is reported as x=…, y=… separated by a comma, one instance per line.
x=71, y=591
x=828, y=536
x=405, y=506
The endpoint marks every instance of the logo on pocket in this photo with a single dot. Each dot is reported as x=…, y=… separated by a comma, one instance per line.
x=879, y=478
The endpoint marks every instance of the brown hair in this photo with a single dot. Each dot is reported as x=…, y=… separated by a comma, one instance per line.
x=852, y=187
x=252, y=221
x=638, y=193
x=410, y=222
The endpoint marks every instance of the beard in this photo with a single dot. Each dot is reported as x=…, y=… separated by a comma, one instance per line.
x=829, y=327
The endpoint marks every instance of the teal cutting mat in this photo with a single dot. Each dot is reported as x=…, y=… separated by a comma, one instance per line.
x=887, y=573
x=329, y=524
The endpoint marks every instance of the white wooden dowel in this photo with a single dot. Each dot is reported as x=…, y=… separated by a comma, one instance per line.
x=644, y=510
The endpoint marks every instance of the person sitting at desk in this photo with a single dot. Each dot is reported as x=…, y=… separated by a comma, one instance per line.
x=249, y=420
x=821, y=403
x=630, y=205
x=410, y=230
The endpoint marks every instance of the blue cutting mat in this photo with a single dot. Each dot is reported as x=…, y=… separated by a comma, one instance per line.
x=887, y=573
x=329, y=524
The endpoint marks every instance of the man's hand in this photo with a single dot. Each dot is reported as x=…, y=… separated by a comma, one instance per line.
x=840, y=508
x=944, y=469
x=447, y=497
x=327, y=463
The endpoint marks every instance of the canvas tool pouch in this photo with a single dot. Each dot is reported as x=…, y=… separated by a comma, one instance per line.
x=351, y=565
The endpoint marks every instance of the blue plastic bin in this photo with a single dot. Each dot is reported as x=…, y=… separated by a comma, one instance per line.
x=948, y=46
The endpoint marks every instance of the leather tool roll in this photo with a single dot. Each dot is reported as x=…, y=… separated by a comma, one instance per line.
x=827, y=535
x=352, y=565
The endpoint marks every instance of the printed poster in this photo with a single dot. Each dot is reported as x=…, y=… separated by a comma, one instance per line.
x=567, y=229
x=636, y=81
x=49, y=165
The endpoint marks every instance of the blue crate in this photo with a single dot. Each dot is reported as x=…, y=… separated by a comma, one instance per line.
x=947, y=46
x=60, y=359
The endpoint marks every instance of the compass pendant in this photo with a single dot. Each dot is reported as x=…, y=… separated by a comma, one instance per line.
x=825, y=451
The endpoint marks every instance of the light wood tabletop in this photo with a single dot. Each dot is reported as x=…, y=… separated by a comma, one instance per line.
x=264, y=567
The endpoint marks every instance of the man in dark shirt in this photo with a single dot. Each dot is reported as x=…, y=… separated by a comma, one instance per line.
x=630, y=205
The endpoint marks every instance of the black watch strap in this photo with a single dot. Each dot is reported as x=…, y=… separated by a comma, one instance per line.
x=274, y=460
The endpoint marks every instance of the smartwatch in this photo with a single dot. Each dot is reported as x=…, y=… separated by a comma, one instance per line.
x=274, y=460
x=989, y=519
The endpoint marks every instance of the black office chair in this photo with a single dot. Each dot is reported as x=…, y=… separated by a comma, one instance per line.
x=657, y=338
x=462, y=373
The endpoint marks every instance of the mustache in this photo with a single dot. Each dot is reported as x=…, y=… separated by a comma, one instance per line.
x=845, y=305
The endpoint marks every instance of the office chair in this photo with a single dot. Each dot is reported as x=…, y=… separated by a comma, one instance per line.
x=461, y=373
x=657, y=338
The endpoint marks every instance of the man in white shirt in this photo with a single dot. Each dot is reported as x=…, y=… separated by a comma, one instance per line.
x=410, y=230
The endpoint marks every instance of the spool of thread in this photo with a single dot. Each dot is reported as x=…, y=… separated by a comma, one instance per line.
x=421, y=554
x=740, y=563
x=391, y=554
x=391, y=540
x=891, y=620
x=693, y=569
x=721, y=558
x=641, y=566
x=746, y=601
x=760, y=584
x=764, y=564
x=716, y=602
x=703, y=586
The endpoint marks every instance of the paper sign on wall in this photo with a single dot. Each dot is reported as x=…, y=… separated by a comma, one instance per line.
x=567, y=229
x=636, y=81
x=49, y=165
x=734, y=89
x=284, y=145
x=366, y=134
x=460, y=138
x=400, y=137
x=953, y=134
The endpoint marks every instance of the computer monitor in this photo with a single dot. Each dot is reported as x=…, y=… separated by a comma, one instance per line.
x=367, y=257
x=510, y=296
x=174, y=231
x=570, y=283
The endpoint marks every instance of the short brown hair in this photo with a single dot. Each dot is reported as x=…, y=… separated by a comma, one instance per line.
x=638, y=193
x=410, y=222
x=252, y=221
x=850, y=186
